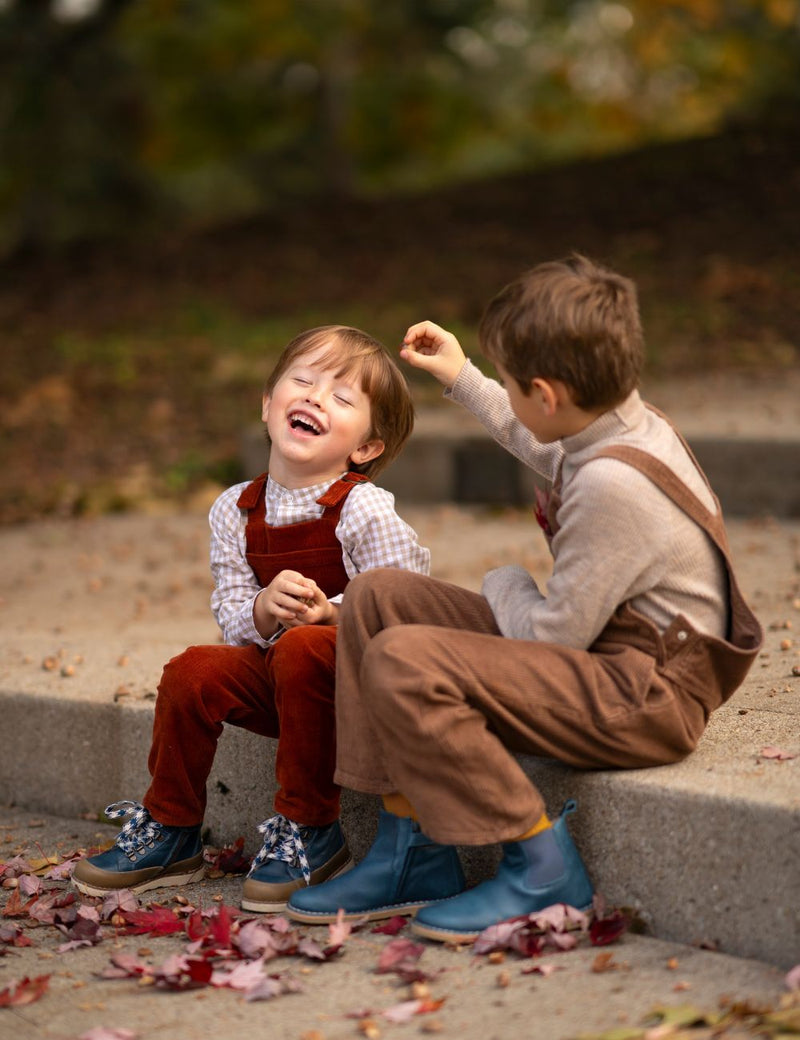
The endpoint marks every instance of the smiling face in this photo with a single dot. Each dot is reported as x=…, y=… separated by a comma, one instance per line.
x=319, y=421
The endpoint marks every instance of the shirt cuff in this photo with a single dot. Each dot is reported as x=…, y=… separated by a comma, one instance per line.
x=467, y=385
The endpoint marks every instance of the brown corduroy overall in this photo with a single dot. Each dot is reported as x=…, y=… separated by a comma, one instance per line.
x=285, y=691
x=433, y=702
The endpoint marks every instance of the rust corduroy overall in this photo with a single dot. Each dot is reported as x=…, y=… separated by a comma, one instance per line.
x=285, y=691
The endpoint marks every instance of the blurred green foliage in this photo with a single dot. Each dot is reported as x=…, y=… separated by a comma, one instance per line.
x=119, y=117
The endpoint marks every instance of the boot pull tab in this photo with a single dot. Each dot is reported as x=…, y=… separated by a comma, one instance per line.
x=569, y=807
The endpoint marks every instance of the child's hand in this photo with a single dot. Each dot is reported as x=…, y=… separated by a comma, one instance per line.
x=290, y=600
x=433, y=349
x=318, y=611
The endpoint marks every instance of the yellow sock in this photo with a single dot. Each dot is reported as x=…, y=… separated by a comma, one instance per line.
x=542, y=824
x=398, y=805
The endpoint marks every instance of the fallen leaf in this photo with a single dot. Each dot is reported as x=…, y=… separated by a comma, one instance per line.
x=528, y=935
x=605, y=930
x=122, y=899
x=10, y=935
x=604, y=962
x=156, y=920
x=339, y=931
x=15, y=907
x=273, y=986
x=23, y=991
x=390, y=927
x=400, y=956
x=776, y=753
x=542, y=969
x=245, y=975
x=230, y=859
x=406, y=1010
x=54, y=907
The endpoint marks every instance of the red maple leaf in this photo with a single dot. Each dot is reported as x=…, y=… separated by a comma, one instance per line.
x=10, y=935
x=155, y=920
x=605, y=930
x=212, y=928
x=15, y=907
x=230, y=859
x=400, y=956
x=24, y=991
x=391, y=927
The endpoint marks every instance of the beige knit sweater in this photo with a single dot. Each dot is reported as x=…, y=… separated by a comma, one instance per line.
x=620, y=537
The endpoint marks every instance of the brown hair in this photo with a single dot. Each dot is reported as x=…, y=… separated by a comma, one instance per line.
x=391, y=407
x=569, y=320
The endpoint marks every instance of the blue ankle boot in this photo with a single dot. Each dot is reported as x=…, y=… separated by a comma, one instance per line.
x=291, y=857
x=147, y=854
x=402, y=871
x=533, y=874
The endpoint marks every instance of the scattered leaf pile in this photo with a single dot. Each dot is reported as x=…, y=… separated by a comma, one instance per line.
x=225, y=948
x=733, y=1021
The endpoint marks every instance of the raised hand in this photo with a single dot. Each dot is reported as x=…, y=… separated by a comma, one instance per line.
x=430, y=347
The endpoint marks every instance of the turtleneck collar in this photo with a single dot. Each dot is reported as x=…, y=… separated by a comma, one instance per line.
x=616, y=421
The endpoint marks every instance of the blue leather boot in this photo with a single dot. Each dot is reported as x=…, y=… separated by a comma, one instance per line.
x=147, y=854
x=533, y=874
x=291, y=857
x=402, y=871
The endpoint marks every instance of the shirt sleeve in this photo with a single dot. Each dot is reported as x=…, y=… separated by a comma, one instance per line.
x=609, y=547
x=488, y=402
x=235, y=584
x=373, y=535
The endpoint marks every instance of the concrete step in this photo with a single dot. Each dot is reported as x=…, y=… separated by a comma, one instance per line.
x=744, y=428
x=706, y=850
x=457, y=461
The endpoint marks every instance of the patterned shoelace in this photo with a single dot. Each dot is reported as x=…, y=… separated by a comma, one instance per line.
x=140, y=831
x=282, y=841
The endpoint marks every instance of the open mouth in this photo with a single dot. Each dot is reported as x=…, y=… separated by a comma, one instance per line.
x=299, y=421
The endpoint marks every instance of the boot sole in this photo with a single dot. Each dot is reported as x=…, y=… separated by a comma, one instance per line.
x=376, y=914
x=160, y=881
x=257, y=906
x=443, y=935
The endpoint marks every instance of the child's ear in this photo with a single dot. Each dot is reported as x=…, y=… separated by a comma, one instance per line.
x=367, y=452
x=547, y=393
x=265, y=407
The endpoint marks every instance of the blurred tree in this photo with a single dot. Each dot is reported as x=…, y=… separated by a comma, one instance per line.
x=111, y=109
x=69, y=125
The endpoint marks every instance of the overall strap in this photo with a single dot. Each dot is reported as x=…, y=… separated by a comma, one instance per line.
x=253, y=499
x=674, y=488
x=340, y=489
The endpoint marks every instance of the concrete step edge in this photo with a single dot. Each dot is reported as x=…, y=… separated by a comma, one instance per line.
x=752, y=476
x=699, y=866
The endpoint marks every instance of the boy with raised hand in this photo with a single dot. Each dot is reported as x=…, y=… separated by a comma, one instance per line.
x=337, y=410
x=642, y=633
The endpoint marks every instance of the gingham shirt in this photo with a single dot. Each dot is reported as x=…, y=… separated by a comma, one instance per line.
x=369, y=530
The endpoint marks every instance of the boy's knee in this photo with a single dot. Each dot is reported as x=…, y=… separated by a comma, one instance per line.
x=388, y=658
x=376, y=586
x=187, y=670
x=306, y=647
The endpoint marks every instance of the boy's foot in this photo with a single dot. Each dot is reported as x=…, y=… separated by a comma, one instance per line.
x=147, y=854
x=533, y=874
x=292, y=857
x=403, y=871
